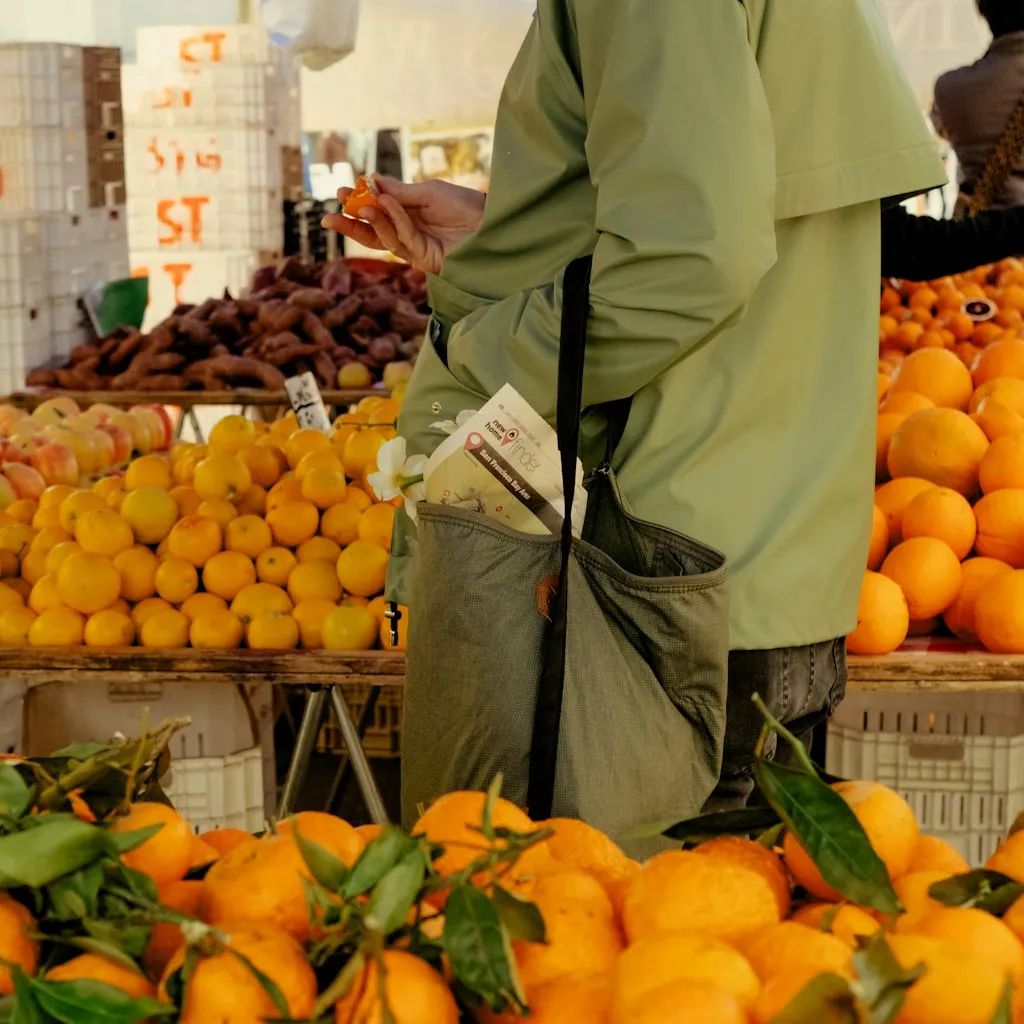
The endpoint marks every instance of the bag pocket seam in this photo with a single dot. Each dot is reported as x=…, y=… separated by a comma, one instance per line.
x=594, y=558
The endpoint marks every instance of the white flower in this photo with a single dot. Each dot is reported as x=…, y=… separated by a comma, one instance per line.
x=399, y=475
x=450, y=426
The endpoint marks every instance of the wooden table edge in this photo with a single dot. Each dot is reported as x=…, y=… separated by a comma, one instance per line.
x=182, y=399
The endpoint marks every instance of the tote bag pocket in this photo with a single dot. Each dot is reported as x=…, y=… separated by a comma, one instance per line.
x=634, y=619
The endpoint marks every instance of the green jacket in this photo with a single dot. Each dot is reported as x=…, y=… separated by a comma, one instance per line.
x=724, y=162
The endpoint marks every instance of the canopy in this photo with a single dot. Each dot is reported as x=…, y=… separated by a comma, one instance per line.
x=419, y=62
x=934, y=36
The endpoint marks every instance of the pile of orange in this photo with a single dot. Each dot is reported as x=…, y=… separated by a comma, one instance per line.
x=267, y=536
x=947, y=544
x=729, y=932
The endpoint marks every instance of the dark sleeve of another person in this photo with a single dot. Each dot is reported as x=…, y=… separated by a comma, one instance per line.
x=923, y=249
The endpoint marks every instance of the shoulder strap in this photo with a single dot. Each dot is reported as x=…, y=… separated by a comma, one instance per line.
x=1005, y=157
x=547, y=718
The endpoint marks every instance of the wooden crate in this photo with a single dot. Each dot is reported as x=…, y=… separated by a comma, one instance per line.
x=384, y=734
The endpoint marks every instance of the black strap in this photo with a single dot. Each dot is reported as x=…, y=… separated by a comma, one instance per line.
x=548, y=715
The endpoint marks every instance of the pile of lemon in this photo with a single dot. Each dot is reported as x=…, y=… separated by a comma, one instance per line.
x=268, y=536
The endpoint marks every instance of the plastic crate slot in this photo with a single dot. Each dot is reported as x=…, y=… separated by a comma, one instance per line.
x=957, y=759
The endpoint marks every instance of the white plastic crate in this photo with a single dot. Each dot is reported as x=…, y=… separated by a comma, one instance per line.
x=288, y=125
x=957, y=759
x=219, y=792
x=203, y=45
x=200, y=161
x=175, y=278
x=26, y=341
x=24, y=281
x=59, y=713
x=41, y=86
x=31, y=171
x=107, y=225
x=227, y=219
x=67, y=326
x=225, y=96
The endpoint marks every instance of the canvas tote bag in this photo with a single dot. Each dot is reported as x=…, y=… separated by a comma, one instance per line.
x=591, y=672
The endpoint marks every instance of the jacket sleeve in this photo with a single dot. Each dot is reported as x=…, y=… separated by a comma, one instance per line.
x=680, y=147
x=923, y=249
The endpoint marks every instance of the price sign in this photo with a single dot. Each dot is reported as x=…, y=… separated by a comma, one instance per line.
x=307, y=403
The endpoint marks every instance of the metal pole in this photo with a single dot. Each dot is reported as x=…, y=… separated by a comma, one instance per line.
x=357, y=756
x=312, y=715
x=194, y=420
x=340, y=784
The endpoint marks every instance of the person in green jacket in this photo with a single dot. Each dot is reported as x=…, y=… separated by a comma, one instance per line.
x=726, y=163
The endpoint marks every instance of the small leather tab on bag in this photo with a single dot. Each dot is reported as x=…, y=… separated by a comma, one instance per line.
x=546, y=591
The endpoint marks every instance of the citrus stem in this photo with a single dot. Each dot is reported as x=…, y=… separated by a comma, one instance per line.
x=772, y=724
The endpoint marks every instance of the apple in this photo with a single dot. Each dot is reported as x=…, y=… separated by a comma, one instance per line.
x=54, y=410
x=80, y=442
x=26, y=481
x=160, y=424
x=105, y=412
x=25, y=428
x=122, y=442
x=20, y=449
x=56, y=464
x=12, y=451
x=7, y=494
x=139, y=431
x=84, y=421
x=103, y=446
x=9, y=416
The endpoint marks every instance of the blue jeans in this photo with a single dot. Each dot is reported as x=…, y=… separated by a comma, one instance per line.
x=801, y=686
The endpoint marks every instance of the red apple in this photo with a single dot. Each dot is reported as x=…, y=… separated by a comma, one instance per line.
x=122, y=442
x=9, y=416
x=104, y=412
x=54, y=410
x=103, y=445
x=142, y=442
x=81, y=443
x=159, y=422
x=56, y=464
x=11, y=451
x=26, y=427
x=25, y=480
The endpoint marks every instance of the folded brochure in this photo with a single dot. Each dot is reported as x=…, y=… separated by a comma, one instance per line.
x=504, y=464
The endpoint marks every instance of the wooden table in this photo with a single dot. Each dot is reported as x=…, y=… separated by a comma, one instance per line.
x=249, y=397
x=938, y=672
x=321, y=673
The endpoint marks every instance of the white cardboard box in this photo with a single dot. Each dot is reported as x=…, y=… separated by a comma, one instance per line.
x=200, y=161
x=225, y=728
x=225, y=95
x=192, y=45
x=226, y=219
x=41, y=86
x=175, y=278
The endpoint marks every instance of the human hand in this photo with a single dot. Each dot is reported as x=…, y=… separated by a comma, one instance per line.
x=419, y=223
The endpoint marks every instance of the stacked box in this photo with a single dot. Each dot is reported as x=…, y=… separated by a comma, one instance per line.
x=62, y=215
x=104, y=127
x=207, y=157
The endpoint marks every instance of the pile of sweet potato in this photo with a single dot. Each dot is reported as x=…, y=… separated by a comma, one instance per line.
x=295, y=318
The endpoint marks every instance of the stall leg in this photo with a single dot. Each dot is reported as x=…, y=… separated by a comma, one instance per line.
x=312, y=716
x=341, y=777
x=357, y=757
x=194, y=420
